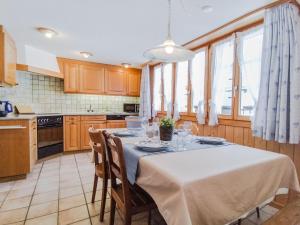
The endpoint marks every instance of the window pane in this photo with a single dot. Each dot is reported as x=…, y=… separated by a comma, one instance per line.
x=223, y=54
x=167, y=73
x=182, y=86
x=197, y=79
x=157, y=89
x=250, y=50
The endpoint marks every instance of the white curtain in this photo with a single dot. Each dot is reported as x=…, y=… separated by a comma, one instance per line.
x=278, y=109
x=145, y=98
x=167, y=87
x=222, y=60
x=249, y=50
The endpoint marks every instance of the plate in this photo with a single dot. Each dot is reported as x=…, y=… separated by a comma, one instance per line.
x=124, y=133
x=150, y=146
x=210, y=140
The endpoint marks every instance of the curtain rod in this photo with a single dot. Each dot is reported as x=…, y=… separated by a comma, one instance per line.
x=268, y=6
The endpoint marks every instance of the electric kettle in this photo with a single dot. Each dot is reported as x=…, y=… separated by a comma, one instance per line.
x=5, y=108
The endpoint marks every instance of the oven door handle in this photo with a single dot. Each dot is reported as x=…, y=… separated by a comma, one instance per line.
x=50, y=125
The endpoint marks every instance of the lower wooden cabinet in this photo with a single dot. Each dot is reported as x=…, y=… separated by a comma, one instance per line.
x=85, y=138
x=71, y=133
x=18, y=147
x=116, y=124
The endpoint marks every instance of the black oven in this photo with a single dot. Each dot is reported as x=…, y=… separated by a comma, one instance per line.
x=131, y=108
x=49, y=135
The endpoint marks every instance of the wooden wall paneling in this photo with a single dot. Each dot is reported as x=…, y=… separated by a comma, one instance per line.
x=273, y=146
x=221, y=131
x=238, y=135
x=214, y=131
x=248, y=137
x=229, y=134
x=260, y=143
x=297, y=159
x=207, y=130
x=287, y=149
x=200, y=130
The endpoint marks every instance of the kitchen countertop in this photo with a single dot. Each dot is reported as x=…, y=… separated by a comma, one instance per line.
x=32, y=116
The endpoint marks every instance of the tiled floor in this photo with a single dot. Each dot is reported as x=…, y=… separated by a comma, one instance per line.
x=59, y=190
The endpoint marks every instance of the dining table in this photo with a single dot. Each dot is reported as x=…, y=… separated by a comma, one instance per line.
x=208, y=185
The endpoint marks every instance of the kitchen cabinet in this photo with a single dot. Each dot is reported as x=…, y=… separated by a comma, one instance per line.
x=133, y=82
x=96, y=78
x=116, y=124
x=72, y=133
x=115, y=81
x=18, y=148
x=8, y=58
x=91, y=79
x=71, y=77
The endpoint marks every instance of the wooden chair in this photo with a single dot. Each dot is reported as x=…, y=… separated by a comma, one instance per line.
x=101, y=166
x=130, y=199
x=288, y=215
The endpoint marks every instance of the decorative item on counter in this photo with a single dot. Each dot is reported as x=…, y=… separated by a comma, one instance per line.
x=166, y=129
x=5, y=108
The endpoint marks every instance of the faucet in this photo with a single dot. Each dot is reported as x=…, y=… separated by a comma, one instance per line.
x=90, y=109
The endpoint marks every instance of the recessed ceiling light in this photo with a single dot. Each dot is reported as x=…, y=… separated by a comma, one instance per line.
x=86, y=54
x=48, y=33
x=126, y=65
x=207, y=8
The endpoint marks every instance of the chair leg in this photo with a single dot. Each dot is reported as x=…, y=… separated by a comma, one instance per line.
x=103, y=200
x=112, y=211
x=127, y=220
x=149, y=217
x=257, y=212
x=94, y=188
x=239, y=222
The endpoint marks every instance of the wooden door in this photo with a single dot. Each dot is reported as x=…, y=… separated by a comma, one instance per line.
x=72, y=133
x=91, y=79
x=71, y=74
x=115, y=81
x=133, y=83
x=85, y=138
x=8, y=58
x=116, y=124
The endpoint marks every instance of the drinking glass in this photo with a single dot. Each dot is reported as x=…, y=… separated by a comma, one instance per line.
x=181, y=135
x=149, y=132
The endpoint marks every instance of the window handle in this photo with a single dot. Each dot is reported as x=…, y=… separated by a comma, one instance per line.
x=236, y=87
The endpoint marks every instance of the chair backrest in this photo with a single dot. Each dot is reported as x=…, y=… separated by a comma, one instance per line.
x=99, y=147
x=117, y=166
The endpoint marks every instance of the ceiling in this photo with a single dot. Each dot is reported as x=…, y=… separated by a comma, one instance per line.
x=115, y=31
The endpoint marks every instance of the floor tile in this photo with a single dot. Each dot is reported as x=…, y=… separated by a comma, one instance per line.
x=67, y=192
x=269, y=209
x=71, y=202
x=94, y=208
x=13, y=216
x=20, y=193
x=3, y=196
x=16, y=203
x=83, y=222
x=43, y=220
x=73, y=215
x=45, y=188
x=98, y=196
x=263, y=217
x=42, y=209
x=44, y=197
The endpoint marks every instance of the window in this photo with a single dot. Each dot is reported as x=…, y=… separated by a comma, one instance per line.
x=197, y=79
x=222, y=76
x=167, y=76
x=249, y=56
x=182, y=86
x=157, y=91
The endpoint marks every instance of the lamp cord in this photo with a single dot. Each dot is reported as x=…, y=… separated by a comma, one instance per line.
x=169, y=21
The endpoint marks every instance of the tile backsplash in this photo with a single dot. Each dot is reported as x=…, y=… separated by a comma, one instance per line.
x=45, y=95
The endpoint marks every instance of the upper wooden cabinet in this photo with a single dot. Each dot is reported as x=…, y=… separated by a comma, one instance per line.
x=91, y=79
x=115, y=81
x=96, y=78
x=8, y=58
x=133, y=82
x=71, y=75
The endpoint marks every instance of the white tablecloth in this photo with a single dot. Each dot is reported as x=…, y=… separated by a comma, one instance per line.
x=213, y=186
